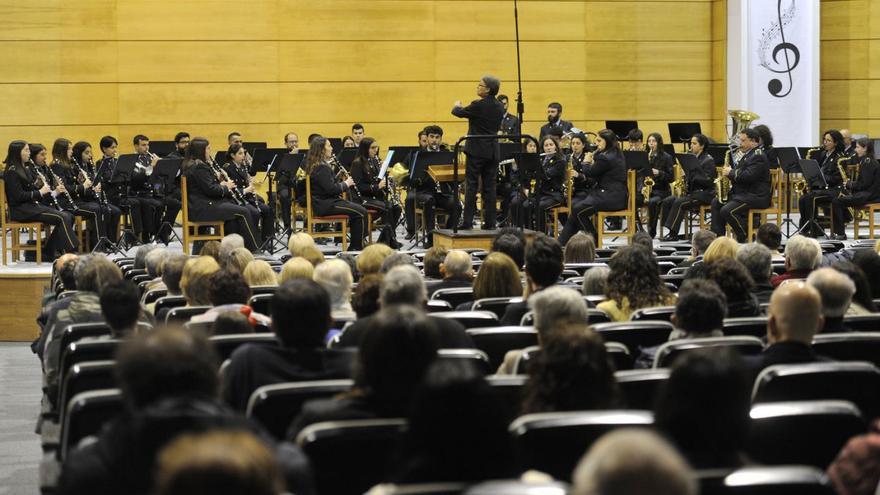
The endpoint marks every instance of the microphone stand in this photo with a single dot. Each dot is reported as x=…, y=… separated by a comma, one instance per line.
x=520, y=107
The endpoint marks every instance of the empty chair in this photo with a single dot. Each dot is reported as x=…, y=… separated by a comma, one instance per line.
x=509, y=390
x=675, y=280
x=668, y=352
x=555, y=442
x=756, y=326
x=635, y=334
x=454, y=295
x=168, y=302
x=766, y=480
x=516, y=487
x=438, y=306
x=85, y=377
x=260, y=302
x=471, y=319
x=349, y=457
x=497, y=341
x=496, y=305
x=662, y=313
x=639, y=388
x=855, y=346
x=617, y=352
x=854, y=381
x=476, y=357
x=225, y=345
x=863, y=323
x=180, y=315
x=86, y=414
x=276, y=406
x=809, y=432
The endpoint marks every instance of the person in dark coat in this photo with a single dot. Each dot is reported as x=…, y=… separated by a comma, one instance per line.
x=750, y=187
x=861, y=189
x=326, y=189
x=700, y=189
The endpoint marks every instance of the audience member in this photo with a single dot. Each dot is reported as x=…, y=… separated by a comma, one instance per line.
x=700, y=242
x=572, y=372
x=370, y=259
x=228, y=244
x=456, y=270
x=737, y=285
x=861, y=300
x=581, y=248
x=770, y=236
x=312, y=254
x=721, y=247
x=396, y=259
x=802, y=255
x=297, y=268
x=433, y=259
x=644, y=239
x=397, y=347
x=63, y=280
x=140, y=255
x=153, y=263
x=856, y=470
x=836, y=291
x=121, y=307
x=704, y=408
x=231, y=323
x=869, y=262
x=512, y=244
x=260, y=273
x=498, y=277
x=633, y=283
x=228, y=291
x=630, y=461
x=350, y=260
x=172, y=272
x=301, y=318
x=237, y=259
x=335, y=277
x=298, y=242
x=365, y=300
x=543, y=268
x=210, y=248
x=596, y=281
x=756, y=258
x=195, y=281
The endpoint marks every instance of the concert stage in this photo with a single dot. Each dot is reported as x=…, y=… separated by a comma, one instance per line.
x=475, y=238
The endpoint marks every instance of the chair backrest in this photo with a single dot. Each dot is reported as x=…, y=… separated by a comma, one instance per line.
x=184, y=313
x=86, y=414
x=662, y=313
x=184, y=203
x=756, y=326
x=263, y=289
x=260, y=303
x=775, y=189
x=80, y=352
x=77, y=331
x=809, y=432
x=555, y=442
x=854, y=381
x=3, y=210
x=766, y=480
x=863, y=323
x=309, y=213
x=508, y=487
x=154, y=295
x=276, y=406
x=225, y=345
x=594, y=316
x=438, y=306
x=509, y=390
x=635, y=334
x=141, y=278
x=670, y=351
x=84, y=377
x=497, y=341
x=639, y=388
x=855, y=346
x=360, y=449
x=617, y=352
x=454, y=296
x=476, y=357
x=631, y=192
x=471, y=319
x=168, y=302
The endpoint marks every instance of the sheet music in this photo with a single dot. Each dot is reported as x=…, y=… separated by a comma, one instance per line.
x=384, y=169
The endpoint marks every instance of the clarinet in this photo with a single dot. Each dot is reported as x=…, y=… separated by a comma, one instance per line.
x=42, y=177
x=58, y=181
x=102, y=198
x=353, y=191
x=250, y=197
x=236, y=194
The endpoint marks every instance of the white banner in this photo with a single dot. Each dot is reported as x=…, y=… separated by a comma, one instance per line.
x=773, y=66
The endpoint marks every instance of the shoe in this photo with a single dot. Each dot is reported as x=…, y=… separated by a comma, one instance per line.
x=839, y=237
x=670, y=238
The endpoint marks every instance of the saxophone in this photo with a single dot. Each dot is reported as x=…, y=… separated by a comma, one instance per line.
x=722, y=182
x=648, y=183
x=800, y=186
x=843, y=176
x=679, y=185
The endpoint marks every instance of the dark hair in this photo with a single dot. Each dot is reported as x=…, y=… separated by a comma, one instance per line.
x=544, y=260
x=78, y=149
x=556, y=105
x=868, y=144
x=837, y=137
x=13, y=155
x=59, y=150
x=701, y=306
x=422, y=133
x=862, y=296
x=434, y=256
x=172, y=270
x=137, y=139
x=770, y=236
x=36, y=149
x=643, y=239
x=287, y=135
x=610, y=140
x=635, y=135
x=492, y=84
x=580, y=136
x=107, y=141
x=704, y=407
x=357, y=127
x=197, y=150
x=65, y=274
x=502, y=97
x=657, y=137
x=316, y=153
x=869, y=262
x=634, y=275
x=766, y=135
x=702, y=139
x=233, y=133
x=180, y=135
x=580, y=248
x=732, y=277
x=231, y=323
x=433, y=129
x=365, y=300
x=233, y=149
x=558, y=154
x=165, y=363
x=363, y=152
x=751, y=134
x=120, y=305
x=572, y=372
x=398, y=345
x=453, y=406
x=512, y=246
x=300, y=313
x=312, y=137
x=228, y=287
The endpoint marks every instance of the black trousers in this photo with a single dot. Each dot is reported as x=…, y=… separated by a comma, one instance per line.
x=62, y=239
x=477, y=169
x=430, y=201
x=145, y=213
x=264, y=215
x=286, y=201
x=236, y=219
x=840, y=209
x=733, y=213
x=504, y=190
x=809, y=205
x=357, y=218
x=531, y=212
x=675, y=208
x=391, y=217
x=100, y=221
x=654, y=207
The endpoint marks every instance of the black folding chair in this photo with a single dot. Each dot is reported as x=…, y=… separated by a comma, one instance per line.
x=470, y=319
x=640, y=387
x=669, y=352
x=765, y=480
x=276, y=406
x=86, y=414
x=497, y=341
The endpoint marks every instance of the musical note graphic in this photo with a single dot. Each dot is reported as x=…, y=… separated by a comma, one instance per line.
x=791, y=53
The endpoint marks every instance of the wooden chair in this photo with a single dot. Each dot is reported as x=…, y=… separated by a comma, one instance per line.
x=15, y=229
x=870, y=210
x=312, y=220
x=190, y=228
x=562, y=209
x=775, y=208
x=629, y=213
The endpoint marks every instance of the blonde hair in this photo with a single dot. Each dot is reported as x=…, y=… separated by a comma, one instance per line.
x=722, y=247
x=295, y=268
x=298, y=242
x=258, y=272
x=335, y=276
x=371, y=258
x=238, y=259
x=195, y=281
x=312, y=254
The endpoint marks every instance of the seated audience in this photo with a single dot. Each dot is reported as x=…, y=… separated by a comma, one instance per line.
x=737, y=285
x=210, y=248
x=633, y=283
x=195, y=281
x=228, y=291
x=231, y=323
x=403, y=285
x=140, y=255
x=335, y=277
x=699, y=313
x=869, y=262
x=434, y=257
x=397, y=347
x=543, y=267
x=498, y=277
x=121, y=307
x=861, y=301
x=370, y=259
x=396, y=259
x=802, y=255
x=172, y=272
x=630, y=461
x=596, y=281
x=721, y=247
x=571, y=373
x=260, y=273
x=511, y=242
x=704, y=408
x=643, y=239
x=365, y=300
x=238, y=259
x=836, y=291
x=62, y=281
x=153, y=263
x=770, y=236
x=298, y=242
x=756, y=258
x=350, y=260
x=700, y=242
x=297, y=268
x=301, y=318
x=856, y=470
x=228, y=244
x=312, y=254
x=793, y=318
x=457, y=271
x=581, y=248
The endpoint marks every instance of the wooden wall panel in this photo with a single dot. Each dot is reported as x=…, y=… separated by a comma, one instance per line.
x=22, y=297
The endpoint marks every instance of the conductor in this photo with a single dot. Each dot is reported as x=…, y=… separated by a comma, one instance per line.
x=484, y=117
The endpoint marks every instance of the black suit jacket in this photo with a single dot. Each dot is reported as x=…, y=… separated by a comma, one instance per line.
x=703, y=178
x=828, y=164
x=451, y=333
x=484, y=117
x=449, y=283
x=781, y=353
x=510, y=124
x=609, y=172
x=21, y=191
x=560, y=124
x=866, y=188
x=751, y=180
x=551, y=175
x=663, y=162
x=203, y=190
x=325, y=188
x=364, y=174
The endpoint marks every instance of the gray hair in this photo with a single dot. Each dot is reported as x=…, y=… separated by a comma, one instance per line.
x=335, y=277
x=556, y=305
x=94, y=271
x=228, y=244
x=701, y=241
x=835, y=288
x=402, y=285
x=756, y=258
x=595, y=281
x=803, y=253
x=154, y=260
x=457, y=263
x=140, y=256
x=492, y=84
x=396, y=259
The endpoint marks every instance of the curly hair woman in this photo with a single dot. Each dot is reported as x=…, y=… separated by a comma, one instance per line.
x=634, y=283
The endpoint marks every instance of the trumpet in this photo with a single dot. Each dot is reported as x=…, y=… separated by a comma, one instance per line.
x=42, y=178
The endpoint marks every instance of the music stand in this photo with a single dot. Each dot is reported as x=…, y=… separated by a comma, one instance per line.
x=669, y=148
x=688, y=162
x=419, y=169
x=162, y=148
x=788, y=164
x=636, y=160
x=682, y=132
x=621, y=128
x=405, y=154
x=121, y=176
x=812, y=173
x=385, y=164
x=528, y=165
x=717, y=152
x=253, y=146
x=346, y=157
x=163, y=176
x=288, y=167
x=263, y=157
x=802, y=151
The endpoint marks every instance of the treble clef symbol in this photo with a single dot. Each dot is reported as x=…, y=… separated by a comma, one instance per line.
x=775, y=85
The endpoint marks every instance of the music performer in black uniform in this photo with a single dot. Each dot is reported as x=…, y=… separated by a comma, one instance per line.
x=181, y=141
x=484, y=118
x=327, y=190
x=28, y=196
x=767, y=146
x=530, y=209
x=821, y=194
x=77, y=198
x=509, y=123
x=700, y=189
x=141, y=188
x=82, y=160
x=750, y=187
x=660, y=169
x=429, y=194
x=555, y=125
x=580, y=183
x=260, y=212
x=372, y=191
x=862, y=188
x=607, y=168
x=287, y=187
x=210, y=195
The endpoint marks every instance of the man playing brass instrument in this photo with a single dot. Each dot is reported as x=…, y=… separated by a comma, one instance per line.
x=750, y=187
